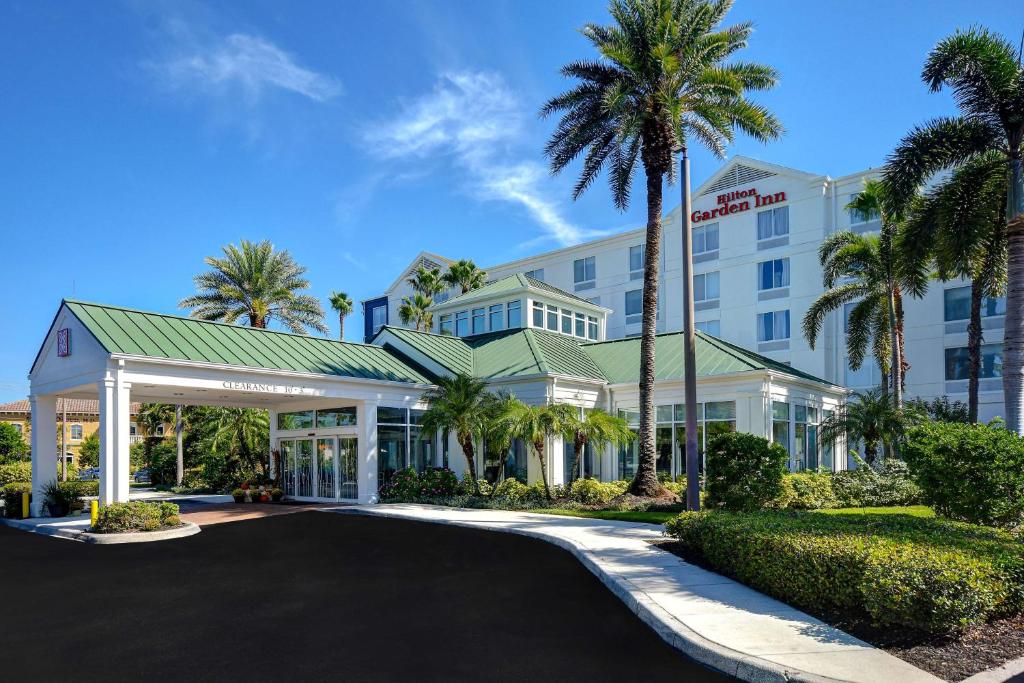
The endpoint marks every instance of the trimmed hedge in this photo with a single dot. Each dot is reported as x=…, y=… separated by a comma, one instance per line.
x=866, y=486
x=807, y=491
x=973, y=473
x=744, y=472
x=926, y=574
x=15, y=471
x=11, y=494
x=136, y=516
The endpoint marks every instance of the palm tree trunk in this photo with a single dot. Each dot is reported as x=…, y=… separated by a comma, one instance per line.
x=539, y=447
x=974, y=338
x=577, y=448
x=466, y=441
x=341, y=327
x=1013, y=335
x=179, y=470
x=897, y=362
x=646, y=483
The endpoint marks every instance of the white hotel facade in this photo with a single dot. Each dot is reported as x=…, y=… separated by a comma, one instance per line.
x=757, y=228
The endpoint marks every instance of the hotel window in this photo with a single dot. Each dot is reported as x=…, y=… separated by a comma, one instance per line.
x=566, y=321
x=636, y=262
x=958, y=362
x=957, y=304
x=867, y=375
x=705, y=238
x=592, y=328
x=584, y=272
x=773, y=274
x=336, y=417
x=705, y=286
x=18, y=427
x=805, y=439
x=76, y=432
x=828, y=447
x=300, y=420
x=773, y=223
x=581, y=325
x=537, y=274
x=133, y=429
x=857, y=217
x=478, y=321
x=515, y=318
x=445, y=326
x=538, y=314
x=553, y=318
x=773, y=326
x=712, y=327
x=496, y=313
x=379, y=317
x=780, y=425
x=634, y=306
x=462, y=323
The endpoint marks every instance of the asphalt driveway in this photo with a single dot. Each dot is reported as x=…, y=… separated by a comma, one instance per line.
x=319, y=596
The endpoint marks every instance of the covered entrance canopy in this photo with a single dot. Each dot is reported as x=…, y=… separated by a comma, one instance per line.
x=122, y=356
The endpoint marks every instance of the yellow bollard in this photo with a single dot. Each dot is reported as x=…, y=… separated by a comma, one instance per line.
x=24, y=504
x=94, y=512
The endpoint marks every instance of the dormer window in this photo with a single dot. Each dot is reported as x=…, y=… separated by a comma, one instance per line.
x=515, y=318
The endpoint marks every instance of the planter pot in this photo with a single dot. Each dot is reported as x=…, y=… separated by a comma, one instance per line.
x=239, y=499
x=58, y=509
x=264, y=498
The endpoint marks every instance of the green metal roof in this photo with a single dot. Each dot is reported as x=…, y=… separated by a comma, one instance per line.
x=619, y=360
x=157, y=335
x=450, y=352
x=509, y=284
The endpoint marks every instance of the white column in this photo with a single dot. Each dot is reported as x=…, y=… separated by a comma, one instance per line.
x=367, y=418
x=556, y=468
x=122, y=437
x=274, y=473
x=107, y=449
x=44, y=447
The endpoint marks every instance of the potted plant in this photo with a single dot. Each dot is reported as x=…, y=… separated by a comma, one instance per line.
x=60, y=496
x=238, y=495
x=276, y=495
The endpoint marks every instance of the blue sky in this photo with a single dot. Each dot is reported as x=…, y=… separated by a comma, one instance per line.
x=139, y=137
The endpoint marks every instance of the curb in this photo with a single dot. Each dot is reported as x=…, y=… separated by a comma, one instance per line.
x=186, y=529
x=1001, y=674
x=713, y=655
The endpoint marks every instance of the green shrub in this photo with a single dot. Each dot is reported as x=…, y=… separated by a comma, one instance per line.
x=135, y=516
x=238, y=495
x=15, y=471
x=403, y=486
x=744, y=472
x=11, y=494
x=807, y=491
x=973, y=473
x=589, y=492
x=866, y=486
x=12, y=444
x=617, y=487
x=928, y=574
x=676, y=487
x=61, y=496
x=276, y=495
x=438, y=482
x=511, y=490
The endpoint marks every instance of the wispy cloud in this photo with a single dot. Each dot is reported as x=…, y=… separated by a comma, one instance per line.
x=249, y=63
x=476, y=120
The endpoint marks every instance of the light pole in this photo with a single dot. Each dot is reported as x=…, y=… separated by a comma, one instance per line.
x=689, y=342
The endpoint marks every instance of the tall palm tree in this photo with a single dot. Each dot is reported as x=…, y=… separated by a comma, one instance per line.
x=871, y=417
x=534, y=425
x=258, y=283
x=459, y=404
x=428, y=281
x=868, y=268
x=984, y=71
x=342, y=304
x=961, y=225
x=465, y=275
x=415, y=310
x=597, y=429
x=661, y=79
x=151, y=420
x=242, y=433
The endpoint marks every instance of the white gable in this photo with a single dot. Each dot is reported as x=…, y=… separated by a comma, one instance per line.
x=84, y=363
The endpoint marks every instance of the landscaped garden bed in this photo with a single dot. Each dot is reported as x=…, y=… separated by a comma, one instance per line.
x=136, y=516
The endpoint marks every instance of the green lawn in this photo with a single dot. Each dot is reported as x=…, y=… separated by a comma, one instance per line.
x=662, y=517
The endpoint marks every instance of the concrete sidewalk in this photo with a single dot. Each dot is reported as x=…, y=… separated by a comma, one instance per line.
x=715, y=620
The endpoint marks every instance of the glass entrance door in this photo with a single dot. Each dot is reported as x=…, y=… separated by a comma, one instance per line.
x=287, y=450
x=304, y=468
x=348, y=467
x=325, y=463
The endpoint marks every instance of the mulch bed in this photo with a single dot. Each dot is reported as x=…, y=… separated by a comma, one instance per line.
x=950, y=658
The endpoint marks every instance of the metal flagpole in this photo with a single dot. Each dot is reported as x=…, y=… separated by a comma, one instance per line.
x=689, y=342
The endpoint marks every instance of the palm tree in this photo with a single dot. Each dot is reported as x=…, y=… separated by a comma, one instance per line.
x=985, y=73
x=459, y=404
x=961, y=225
x=255, y=282
x=534, y=425
x=428, y=281
x=868, y=268
x=465, y=275
x=597, y=429
x=872, y=417
x=415, y=310
x=151, y=420
x=243, y=433
x=342, y=304
x=661, y=79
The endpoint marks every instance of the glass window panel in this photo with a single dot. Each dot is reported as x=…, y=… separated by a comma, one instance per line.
x=720, y=410
x=699, y=288
x=711, y=237
x=537, y=274
x=663, y=450
x=628, y=457
x=416, y=416
x=423, y=455
x=634, y=302
x=780, y=410
x=781, y=219
x=391, y=415
x=336, y=417
x=780, y=434
x=513, y=308
x=764, y=225
x=799, y=447
x=781, y=322
x=663, y=413
x=578, y=271
x=592, y=327
x=300, y=420
x=566, y=321
x=958, y=362
x=581, y=325
x=496, y=313
x=445, y=326
x=800, y=413
x=957, y=303
x=462, y=323
x=325, y=465
x=994, y=306
x=712, y=327
x=552, y=318
x=782, y=273
x=538, y=315
x=348, y=467
x=680, y=412
x=636, y=257
x=390, y=452
x=765, y=327
x=631, y=416
x=699, y=242
x=478, y=321
x=711, y=285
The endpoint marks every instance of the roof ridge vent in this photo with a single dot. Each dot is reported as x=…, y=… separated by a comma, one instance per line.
x=740, y=174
